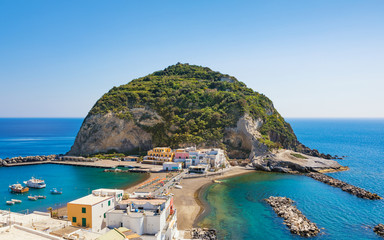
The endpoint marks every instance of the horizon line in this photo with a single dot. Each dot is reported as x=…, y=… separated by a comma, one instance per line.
x=283, y=117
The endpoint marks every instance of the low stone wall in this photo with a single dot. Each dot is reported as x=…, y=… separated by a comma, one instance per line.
x=379, y=229
x=207, y=174
x=293, y=218
x=359, y=192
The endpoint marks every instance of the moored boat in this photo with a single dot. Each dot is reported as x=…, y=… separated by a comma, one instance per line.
x=10, y=202
x=178, y=186
x=35, y=183
x=55, y=191
x=18, y=188
x=16, y=200
x=41, y=197
x=32, y=198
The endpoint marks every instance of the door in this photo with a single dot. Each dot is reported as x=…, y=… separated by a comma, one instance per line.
x=84, y=222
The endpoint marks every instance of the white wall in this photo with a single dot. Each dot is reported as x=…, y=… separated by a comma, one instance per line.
x=98, y=211
x=114, y=220
x=136, y=224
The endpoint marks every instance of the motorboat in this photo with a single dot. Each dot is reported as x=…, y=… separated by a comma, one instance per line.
x=35, y=183
x=41, y=197
x=16, y=200
x=10, y=202
x=18, y=188
x=55, y=191
x=32, y=198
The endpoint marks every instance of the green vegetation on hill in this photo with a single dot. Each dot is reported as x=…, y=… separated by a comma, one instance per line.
x=197, y=104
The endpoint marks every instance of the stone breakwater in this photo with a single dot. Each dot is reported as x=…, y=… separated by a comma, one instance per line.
x=28, y=159
x=293, y=218
x=359, y=192
x=379, y=229
x=203, y=233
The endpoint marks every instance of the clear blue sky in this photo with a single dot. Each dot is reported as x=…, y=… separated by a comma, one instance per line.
x=311, y=58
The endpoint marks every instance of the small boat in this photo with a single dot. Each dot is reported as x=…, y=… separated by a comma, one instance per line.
x=16, y=200
x=41, y=197
x=55, y=191
x=217, y=181
x=178, y=186
x=10, y=202
x=18, y=188
x=32, y=198
x=35, y=183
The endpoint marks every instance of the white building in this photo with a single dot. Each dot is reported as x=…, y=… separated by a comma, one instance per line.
x=89, y=211
x=172, y=166
x=152, y=218
x=214, y=157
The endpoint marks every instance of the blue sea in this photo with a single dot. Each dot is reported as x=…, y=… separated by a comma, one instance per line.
x=239, y=212
x=27, y=137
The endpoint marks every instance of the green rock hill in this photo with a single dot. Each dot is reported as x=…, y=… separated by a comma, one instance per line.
x=184, y=105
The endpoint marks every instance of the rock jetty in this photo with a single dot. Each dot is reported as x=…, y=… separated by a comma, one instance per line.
x=293, y=218
x=203, y=233
x=27, y=159
x=379, y=229
x=359, y=192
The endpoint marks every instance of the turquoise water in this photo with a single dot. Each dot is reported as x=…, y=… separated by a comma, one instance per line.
x=239, y=212
x=24, y=137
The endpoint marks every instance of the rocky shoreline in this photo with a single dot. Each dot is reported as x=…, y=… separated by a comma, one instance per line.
x=293, y=218
x=203, y=233
x=379, y=229
x=288, y=161
x=358, y=192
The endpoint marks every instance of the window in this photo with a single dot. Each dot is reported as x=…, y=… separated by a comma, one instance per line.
x=74, y=219
x=83, y=210
x=109, y=203
x=105, y=215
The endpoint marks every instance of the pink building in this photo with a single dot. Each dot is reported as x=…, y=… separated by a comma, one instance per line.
x=181, y=154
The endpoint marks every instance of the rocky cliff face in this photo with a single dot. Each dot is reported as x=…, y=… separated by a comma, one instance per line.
x=243, y=141
x=104, y=133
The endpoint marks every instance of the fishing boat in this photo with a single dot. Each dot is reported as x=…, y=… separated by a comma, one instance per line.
x=18, y=188
x=16, y=200
x=10, y=202
x=41, y=197
x=32, y=198
x=35, y=183
x=55, y=191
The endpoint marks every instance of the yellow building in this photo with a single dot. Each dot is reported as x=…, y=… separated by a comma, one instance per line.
x=159, y=154
x=89, y=211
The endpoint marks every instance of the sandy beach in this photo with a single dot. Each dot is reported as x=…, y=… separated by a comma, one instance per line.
x=186, y=199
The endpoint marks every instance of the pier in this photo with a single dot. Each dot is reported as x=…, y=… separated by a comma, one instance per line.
x=110, y=165
x=293, y=217
x=358, y=192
